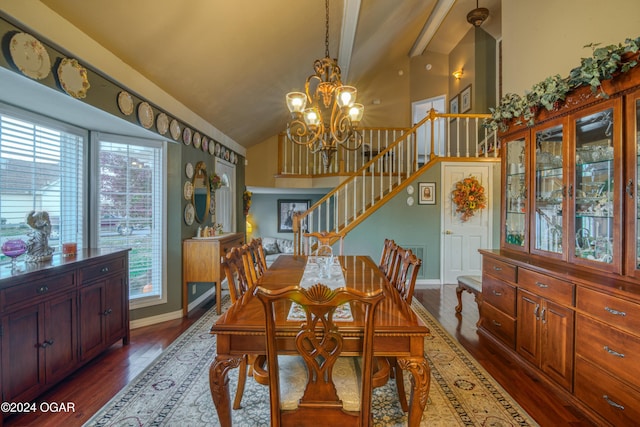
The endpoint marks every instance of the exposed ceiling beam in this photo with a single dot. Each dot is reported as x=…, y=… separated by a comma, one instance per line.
x=348, y=34
x=440, y=11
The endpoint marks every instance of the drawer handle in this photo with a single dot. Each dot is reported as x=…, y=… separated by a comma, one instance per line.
x=42, y=289
x=496, y=293
x=107, y=312
x=613, y=352
x=46, y=344
x=541, y=285
x=496, y=268
x=615, y=312
x=612, y=403
x=496, y=323
x=543, y=315
x=104, y=270
x=536, y=312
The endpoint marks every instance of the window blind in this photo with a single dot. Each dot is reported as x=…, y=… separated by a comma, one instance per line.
x=41, y=169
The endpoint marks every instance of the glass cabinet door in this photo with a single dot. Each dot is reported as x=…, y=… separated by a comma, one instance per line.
x=597, y=240
x=515, y=204
x=632, y=186
x=548, y=192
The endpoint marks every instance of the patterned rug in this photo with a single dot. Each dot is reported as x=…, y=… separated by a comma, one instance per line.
x=174, y=389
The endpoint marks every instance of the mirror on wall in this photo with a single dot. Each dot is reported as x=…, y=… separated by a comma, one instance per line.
x=200, y=197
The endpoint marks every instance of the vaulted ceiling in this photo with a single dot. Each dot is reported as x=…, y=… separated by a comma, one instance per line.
x=232, y=61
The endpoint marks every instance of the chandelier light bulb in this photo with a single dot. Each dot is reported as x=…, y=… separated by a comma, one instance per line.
x=311, y=117
x=346, y=96
x=356, y=112
x=296, y=101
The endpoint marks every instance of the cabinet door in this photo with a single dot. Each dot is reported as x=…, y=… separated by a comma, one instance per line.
x=22, y=371
x=594, y=189
x=528, y=335
x=632, y=185
x=59, y=340
x=92, y=325
x=515, y=203
x=115, y=308
x=548, y=191
x=557, y=343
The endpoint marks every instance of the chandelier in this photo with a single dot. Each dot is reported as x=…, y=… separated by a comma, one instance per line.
x=326, y=116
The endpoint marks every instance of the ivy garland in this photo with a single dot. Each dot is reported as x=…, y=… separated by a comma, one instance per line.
x=605, y=62
x=469, y=197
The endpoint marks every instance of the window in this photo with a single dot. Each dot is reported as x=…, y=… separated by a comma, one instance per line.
x=42, y=166
x=130, y=210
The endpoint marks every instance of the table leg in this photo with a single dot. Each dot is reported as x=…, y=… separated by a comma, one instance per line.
x=420, y=382
x=219, y=385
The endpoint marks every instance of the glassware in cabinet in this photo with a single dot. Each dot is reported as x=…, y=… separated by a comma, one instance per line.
x=548, y=189
x=515, y=203
x=632, y=185
x=595, y=216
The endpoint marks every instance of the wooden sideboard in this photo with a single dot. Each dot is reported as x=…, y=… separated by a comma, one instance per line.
x=58, y=315
x=201, y=263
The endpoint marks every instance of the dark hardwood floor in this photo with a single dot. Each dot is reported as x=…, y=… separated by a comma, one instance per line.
x=92, y=386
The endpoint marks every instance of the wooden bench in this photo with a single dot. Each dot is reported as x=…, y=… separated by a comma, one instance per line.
x=471, y=284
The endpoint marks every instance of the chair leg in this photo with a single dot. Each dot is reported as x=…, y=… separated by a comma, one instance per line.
x=402, y=395
x=459, y=290
x=242, y=378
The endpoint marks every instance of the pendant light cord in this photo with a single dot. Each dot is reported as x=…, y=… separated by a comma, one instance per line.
x=326, y=33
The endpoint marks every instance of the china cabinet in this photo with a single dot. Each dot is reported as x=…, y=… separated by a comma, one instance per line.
x=47, y=323
x=561, y=296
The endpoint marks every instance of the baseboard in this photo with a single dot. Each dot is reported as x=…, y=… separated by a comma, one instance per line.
x=427, y=283
x=152, y=320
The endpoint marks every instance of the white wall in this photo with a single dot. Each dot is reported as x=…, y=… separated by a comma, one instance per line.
x=543, y=38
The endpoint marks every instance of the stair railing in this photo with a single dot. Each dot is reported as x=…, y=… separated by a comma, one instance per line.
x=435, y=138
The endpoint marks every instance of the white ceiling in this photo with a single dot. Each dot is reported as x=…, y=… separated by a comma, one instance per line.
x=232, y=61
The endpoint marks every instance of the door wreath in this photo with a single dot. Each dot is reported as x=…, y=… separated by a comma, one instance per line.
x=469, y=197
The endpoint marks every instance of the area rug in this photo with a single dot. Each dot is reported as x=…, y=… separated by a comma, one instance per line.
x=174, y=389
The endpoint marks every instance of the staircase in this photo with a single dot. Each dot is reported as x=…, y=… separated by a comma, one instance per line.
x=395, y=166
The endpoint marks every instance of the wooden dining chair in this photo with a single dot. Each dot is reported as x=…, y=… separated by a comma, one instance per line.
x=387, y=257
x=406, y=268
x=233, y=265
x=255, y=263
x=327, y=238
x=324, y=394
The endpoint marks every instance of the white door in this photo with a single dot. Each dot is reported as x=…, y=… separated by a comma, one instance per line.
x=226, y=195
x=462, y=239
x=419, y=110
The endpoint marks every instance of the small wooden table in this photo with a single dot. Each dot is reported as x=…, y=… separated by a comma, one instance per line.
x=201, y=263
x=399, y=331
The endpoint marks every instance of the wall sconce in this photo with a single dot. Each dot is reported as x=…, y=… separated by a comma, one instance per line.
x=457, y=74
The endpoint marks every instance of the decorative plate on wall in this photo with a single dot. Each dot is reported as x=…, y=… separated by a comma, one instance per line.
x=145, y=115
x=125, y=103
x=30, y=56
x=174, y=128
x=73, y=78
x=186, y=136
x=189, y=213
x=205, y=144
x=197, y=139
x=162, y=123
x=212, y=147
x=188, y=170
x=217, y=149
x=187, y=190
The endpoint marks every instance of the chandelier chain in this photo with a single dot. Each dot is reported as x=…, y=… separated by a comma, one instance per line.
x=326, y=29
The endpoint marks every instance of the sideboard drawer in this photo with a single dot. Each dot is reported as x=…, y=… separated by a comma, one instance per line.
x=615, y=351
x=613, y=400
x=499, y=294
x=108, y=266
x=499, y=324
x=610, y=309
x=546, y=286
x=28, y=291
x=499, y=269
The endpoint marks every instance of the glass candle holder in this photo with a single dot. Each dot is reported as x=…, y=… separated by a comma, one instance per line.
x=69, y=249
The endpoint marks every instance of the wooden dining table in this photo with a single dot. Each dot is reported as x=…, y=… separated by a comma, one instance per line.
x=399, y=331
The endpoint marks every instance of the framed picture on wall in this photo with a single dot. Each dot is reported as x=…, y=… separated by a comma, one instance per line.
x=286, y=209
x=465, y=99
x=427, y=193
x=454, y=106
